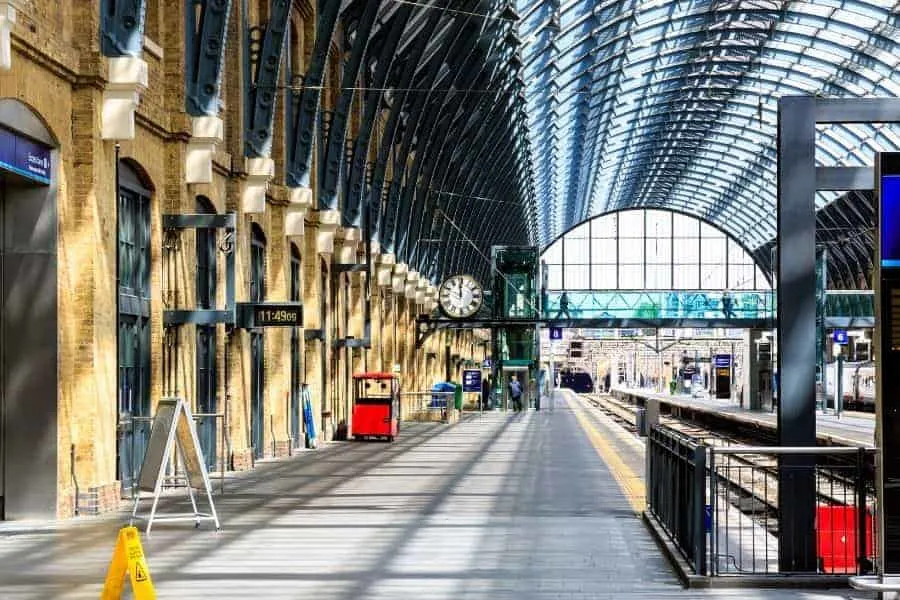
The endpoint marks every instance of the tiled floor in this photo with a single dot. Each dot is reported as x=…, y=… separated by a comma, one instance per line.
x=501, y=506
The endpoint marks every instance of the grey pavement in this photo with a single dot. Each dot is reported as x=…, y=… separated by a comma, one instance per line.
x=500, y=506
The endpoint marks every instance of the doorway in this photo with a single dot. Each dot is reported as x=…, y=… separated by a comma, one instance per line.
x=133, y=325
x=29, y=402
x=207, y=400
x=257, y=344
x=296, y=366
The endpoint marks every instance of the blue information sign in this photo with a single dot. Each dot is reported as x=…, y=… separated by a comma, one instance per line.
x=472, y=380
x=840, y=336
x=722, y=361
x=24, y=157
x=556, y=333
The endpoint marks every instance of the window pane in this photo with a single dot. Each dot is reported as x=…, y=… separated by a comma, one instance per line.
x=577, y=251
x=713, y=277
x=553, y=255
x=659, y=223
x=603, y=277
x=687, y=251
x=603, y=251
x=736, y=254
x=761, y=282
x=686, y=277
x=713, y=252
x=631, y=223
x=631, y=250
x=631, y=277
x=554, y=277
x=604, y=227
x=576, y=277
x=659, y=277
x=683, y=226
x=580, y=231
x=659, y=250
x=740, y=277
x=708, y=231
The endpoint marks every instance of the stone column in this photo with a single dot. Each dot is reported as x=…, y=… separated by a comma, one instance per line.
x=398, y=289
x=349, y=314
x=318, y=314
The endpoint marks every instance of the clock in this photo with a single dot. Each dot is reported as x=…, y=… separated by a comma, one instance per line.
x=460, y=296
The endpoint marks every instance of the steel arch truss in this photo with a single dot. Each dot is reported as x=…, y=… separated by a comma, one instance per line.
x=439, y=161
x=673, y=103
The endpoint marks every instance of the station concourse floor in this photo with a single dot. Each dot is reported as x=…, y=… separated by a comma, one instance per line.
x=499, y=506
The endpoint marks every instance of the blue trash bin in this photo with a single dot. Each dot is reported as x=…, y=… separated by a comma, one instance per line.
x=440, y=401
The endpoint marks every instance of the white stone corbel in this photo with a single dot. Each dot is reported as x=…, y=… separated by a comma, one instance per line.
x=325, y=223
x=7, y=20
x=127, y=79
x=422, y=290
x=385, y=270
x=206, y=133
x=412, y=282
x=260, y=170
x=398, y=279
x=348, y=241
x=300, y=200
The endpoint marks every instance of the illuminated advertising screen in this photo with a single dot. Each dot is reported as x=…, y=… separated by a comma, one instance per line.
x=890, y=220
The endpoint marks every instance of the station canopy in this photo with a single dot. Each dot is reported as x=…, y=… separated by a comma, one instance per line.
x=672, y=104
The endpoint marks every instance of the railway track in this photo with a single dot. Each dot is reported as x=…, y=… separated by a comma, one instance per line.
x=747, y=482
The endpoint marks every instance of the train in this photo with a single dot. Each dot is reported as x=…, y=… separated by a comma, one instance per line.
x=577, y=381
x=858, y=386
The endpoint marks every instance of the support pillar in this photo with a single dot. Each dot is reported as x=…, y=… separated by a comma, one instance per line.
x=796, y=243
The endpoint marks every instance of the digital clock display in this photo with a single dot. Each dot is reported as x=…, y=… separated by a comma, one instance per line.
x=277, y=316
x=265, y=314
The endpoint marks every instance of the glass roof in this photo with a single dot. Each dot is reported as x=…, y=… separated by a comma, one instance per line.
x=673, y=103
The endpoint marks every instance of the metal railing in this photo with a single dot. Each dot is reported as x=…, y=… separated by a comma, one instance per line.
x=718, y=505
x=676, y=484
x=414, y=405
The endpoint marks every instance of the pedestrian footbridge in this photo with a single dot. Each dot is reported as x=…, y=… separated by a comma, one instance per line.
x=687, y=308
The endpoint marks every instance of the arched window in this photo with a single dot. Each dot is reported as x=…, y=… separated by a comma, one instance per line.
x=257, y=264
x=206, y=336
x=134, y=362
x=296, y=366
x=649, y=249
x=257, y=341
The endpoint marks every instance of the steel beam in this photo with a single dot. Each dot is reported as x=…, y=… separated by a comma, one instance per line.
x=205, y=54
x=303, y=127
x=387, y=46
x=262, y=92
x=332, y=166
x=122, y=27
x=839, y=179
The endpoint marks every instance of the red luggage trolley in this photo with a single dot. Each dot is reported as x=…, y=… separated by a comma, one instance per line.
x=376, y=405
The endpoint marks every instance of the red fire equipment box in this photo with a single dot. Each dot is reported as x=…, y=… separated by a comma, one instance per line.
x=376, y=405
x=836, y=538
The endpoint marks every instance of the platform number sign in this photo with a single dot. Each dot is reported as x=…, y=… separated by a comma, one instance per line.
x=461, y=296
x=472, y=380
x=841, y=337
x=556, y=333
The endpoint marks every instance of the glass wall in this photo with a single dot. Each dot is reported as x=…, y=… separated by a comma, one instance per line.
x=649, y=250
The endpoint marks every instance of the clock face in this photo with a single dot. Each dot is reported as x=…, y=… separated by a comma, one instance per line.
x=461, y=296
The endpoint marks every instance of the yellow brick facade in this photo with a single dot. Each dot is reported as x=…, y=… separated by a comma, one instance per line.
x=59, y=72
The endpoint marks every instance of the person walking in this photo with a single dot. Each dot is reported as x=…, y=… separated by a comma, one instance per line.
x=515, y=393
x=727, y=306
x=485, y=392
x=563, y=306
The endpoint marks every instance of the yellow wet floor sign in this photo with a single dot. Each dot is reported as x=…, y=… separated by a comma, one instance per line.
x=128, y=557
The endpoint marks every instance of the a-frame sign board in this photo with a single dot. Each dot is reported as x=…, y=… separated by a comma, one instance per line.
x=173, y=426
